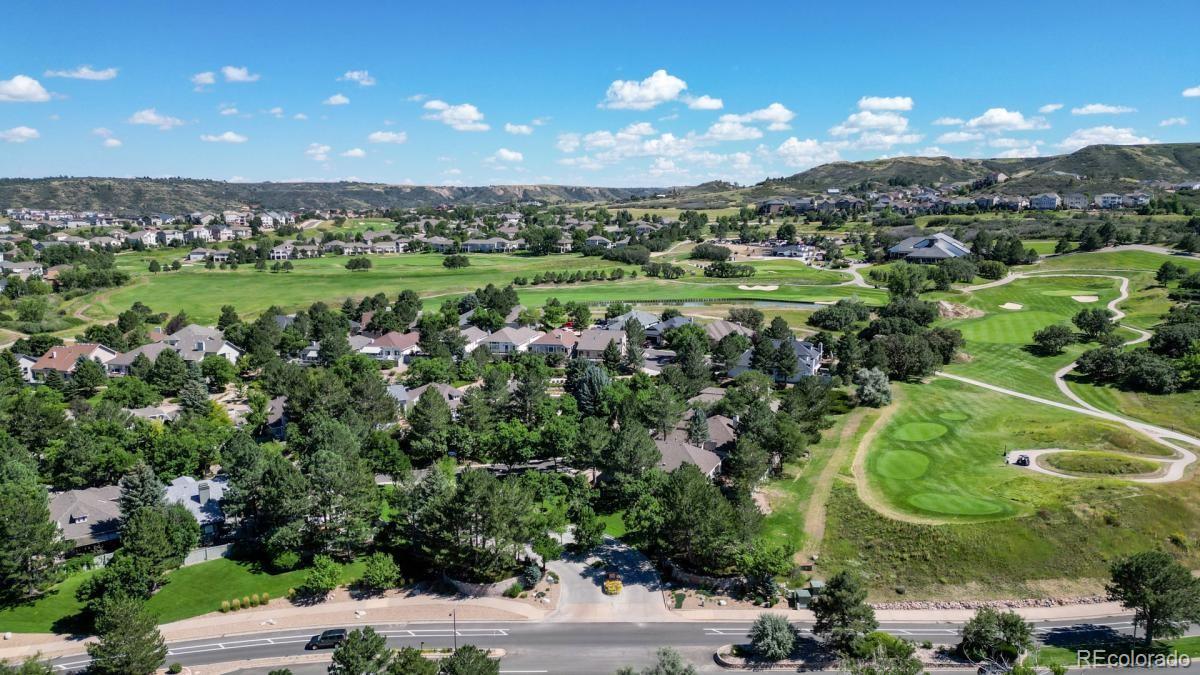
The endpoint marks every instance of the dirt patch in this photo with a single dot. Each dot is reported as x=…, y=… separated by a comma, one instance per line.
x=1012, y=305
x=1085, y=298
x=770, y=287
x=953, y=310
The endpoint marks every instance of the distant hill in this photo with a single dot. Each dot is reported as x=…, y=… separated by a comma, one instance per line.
x=181, y=195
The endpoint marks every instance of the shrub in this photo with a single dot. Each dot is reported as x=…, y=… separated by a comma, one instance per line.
x=456, y=261
x=286, y=561
x=175, y=667
x=380, y=572
x=235, y=604
x=322, y=577
x=224, y=605
x=515, y=590
x=772, y=637
x=254, y=601
x=266, y=597
x=992, y=269
x=246, y=601
x=881, y=644
x=531, y=575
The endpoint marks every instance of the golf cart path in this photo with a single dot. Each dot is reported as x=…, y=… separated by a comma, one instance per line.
x=1037, y=467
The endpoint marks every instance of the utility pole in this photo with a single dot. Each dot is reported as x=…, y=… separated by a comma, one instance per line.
x=454, y=617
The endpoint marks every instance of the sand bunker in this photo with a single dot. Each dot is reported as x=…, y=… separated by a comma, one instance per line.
x=1011, y=305
x=1085, y=298
x=758, y=288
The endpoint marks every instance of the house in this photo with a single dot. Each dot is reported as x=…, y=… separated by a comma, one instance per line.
x=197, y=234
x=645, y=318
x=451, y=395
x=199, y=254
x=473, y=336
x=440, y=244
x=658, y=331
x=202, y=498
x=168, y=237
x=22, y=270
x=88, y=518
x=147, y=238
x=158, y=413
x=510, y=340
x=598, y=242
x=283, y=251
x=63, y=358
x=400, y=395
x=1075, y=200
x=719, y=329
x=25, y=363
x=808, y=361
x=593, y=341
x=1109, y=200
x=557, y=341
x=1135, y=199
x=194, y=342
x=1047, y=201
x=929, y=249
x=396, y=346
x=675, y=453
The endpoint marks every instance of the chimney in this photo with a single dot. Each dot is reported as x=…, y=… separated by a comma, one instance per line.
x=203, y=489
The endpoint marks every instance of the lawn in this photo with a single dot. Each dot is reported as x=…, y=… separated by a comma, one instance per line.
x=1063, y=651
x=1090, y=463
x=1179, y=411
x=614, y=524
x=190, y=591
x=941, y=455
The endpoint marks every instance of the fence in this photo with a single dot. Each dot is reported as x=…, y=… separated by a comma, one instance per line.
x=194, y=557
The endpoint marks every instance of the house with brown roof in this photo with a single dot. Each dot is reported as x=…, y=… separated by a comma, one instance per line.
x=509, y=340
x=394, y=346
x=557, y=341
x=675, y=453
x=64, y=358
x=593, y=342
x=719, y=329
x=451, y=395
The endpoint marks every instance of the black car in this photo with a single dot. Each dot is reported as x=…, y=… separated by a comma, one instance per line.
x=330, y=638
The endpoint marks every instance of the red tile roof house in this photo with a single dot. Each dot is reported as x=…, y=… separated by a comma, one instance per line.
x=63, y=358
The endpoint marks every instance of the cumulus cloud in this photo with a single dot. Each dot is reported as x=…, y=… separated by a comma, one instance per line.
x=460, y=117
x=362, y=77
x=506, y=155
x=19, y=134
x=1173, y=122
x=518, y=129
x=705, y=102
x=151, y=117
x=387, y=137
x=228, y=109
x=1049, y=108
x=1011, y=143
x=202, y=80
x=1192, y=92
x=878, y=103
x=276, y=112
x=1020, y=151
x=226, y=137
x=1102, y=109
x=874, y=130
x=355, y=152
x=318, y=151
x=1104, y=135
x=84, y=72
x=663, y=167
x=112, y=143
x=948, y=122
x=336, y=99
x=299, y=116
x=1003, y=119
x=775, y=115
x=656, y=89
x=959, y=137
x=110, y=140
x=238, y=74
x=568, y=142
x=731, y=130
x=806, y=153
x=23, y=89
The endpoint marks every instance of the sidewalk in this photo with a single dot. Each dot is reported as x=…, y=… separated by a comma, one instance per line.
x=1088, y=612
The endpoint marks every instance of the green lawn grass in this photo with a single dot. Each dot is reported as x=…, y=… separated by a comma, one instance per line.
x=1179, y=411
x=1090, y=463
x=1066, y=655
x=614, y=524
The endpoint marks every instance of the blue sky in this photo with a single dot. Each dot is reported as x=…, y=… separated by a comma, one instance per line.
x=606, y=93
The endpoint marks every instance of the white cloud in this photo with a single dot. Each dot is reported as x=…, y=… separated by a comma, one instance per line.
x=948, y=122
x=705, y=102
x=362, y=77
x=866, y=120
x=299, y=116
x=567, y=142
x=355, y=152
x=1012, y=143
x=776, y=115
x=387, y=137
x=1049, y=108
x=1105, y=135
x=731, y=130
x=1174, y=122
x=110, y=141
x=151, y=117
x=318, y=151
x=227, y=137
x=417, y=98
x=84, y=73
x=663, y=167
x=877, y=103
x=202, y=80
x=1102, y=109
x=276, y=112
x=23, y=89
x=336, y=99
x=460, y=117
x=518, y=129
x=806, y=153
x=238, y=74
x=931, y=151
x=1192, y=92
x=582, y=162
x=659, y=88
x=1002, y=119
x=19, y=135
x=453, y=172
x=506, y=155
x=959, y=137
x=228, y=109
x=1022, y=151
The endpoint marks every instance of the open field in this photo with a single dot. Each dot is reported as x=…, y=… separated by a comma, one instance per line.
x=1177, y=411
x=190, y=591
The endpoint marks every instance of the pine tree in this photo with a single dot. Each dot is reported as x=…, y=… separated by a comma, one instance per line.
x=87, y=378
x=193, y=397
x=29, y=539
x=697, y=429
x=140, y=488
x=129, y=643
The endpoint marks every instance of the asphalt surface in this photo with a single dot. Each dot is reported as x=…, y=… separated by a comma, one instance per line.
x=582, y=648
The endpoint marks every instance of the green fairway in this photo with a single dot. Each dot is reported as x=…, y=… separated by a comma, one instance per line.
x=1179, y=411
x=942, y=454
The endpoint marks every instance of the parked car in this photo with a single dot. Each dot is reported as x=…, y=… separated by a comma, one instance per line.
x=328, y=639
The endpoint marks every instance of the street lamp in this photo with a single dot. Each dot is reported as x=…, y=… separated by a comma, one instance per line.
x=454, y=617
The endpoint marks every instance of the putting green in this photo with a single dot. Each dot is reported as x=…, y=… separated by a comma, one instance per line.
x=902, y=464
x=956, y=505
x=953, y=416
x=919, y=431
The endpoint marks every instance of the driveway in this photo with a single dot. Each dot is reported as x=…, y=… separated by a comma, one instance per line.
x=582, y=596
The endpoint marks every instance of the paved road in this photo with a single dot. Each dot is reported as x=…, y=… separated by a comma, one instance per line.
x=570, y=647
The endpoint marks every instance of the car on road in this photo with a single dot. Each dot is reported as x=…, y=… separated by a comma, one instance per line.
x=328, y=639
